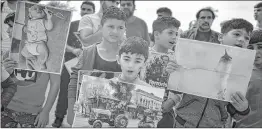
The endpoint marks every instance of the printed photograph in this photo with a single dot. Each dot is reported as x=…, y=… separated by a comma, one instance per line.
x=108, y=103
x=211, y=70
x=154, y=72
x=39, y=37
x=94, y=73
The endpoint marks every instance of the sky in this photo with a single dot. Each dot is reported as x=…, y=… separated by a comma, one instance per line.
x=185, y=11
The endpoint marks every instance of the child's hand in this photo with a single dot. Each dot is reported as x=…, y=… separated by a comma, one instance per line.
x=9, y=65
x=48, y=13
x=172, y=66
x=167, y=105
x=239, y=102
x=42, y=119
x=77, y=52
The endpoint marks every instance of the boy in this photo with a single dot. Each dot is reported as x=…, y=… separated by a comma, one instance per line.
x=254, y=93
x=194, y=111
x=99, y=56
x=165, y=31
x=131, y=57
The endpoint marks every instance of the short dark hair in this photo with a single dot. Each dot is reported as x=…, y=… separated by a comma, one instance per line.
x=258, y=5
x=256, y=37
x=236, y=23
x=89, y=3
x=134, y=2
x=113, y=13
x=10, y=17
x=164, y=10
x=206, y=9
x=35, y=1
x=135, y=45
x=163, y=23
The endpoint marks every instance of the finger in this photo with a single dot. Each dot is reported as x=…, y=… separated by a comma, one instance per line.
x=236, y=96
x=234, y=101
x=241, y=96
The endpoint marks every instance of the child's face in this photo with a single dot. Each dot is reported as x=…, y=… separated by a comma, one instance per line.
x=258, y=48
x=236, y=37
x=36, y=12
x=167, y=38
x=131, y=64
x=113, y=30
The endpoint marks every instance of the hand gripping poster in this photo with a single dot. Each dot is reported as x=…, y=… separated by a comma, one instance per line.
x=107, y=103
x=211, y=70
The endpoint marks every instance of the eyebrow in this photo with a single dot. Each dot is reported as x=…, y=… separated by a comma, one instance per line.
x=127, y=56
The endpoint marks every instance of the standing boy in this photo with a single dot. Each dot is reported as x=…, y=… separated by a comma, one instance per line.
x=199, y=112
x=99, y=56
x=254, y=93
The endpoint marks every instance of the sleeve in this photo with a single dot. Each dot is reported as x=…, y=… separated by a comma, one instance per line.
x=72, y=86
x=85, y=23
x=146, y=34
x=236, y=114
x=175, y=96
x=9, y=89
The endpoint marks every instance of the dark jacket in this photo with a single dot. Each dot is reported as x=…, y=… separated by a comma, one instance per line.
x=191, y=34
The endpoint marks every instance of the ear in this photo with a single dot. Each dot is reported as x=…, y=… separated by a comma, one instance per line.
x=220, y=38
x=118, y=59
x=156, y=34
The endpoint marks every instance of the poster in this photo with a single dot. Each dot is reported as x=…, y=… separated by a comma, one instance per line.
x=154, y=72
x=95, y=73
x=40, y=37
x=110, y=103
x=211, y=70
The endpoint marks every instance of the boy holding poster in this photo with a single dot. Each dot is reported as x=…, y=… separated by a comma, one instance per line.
x=254, y=93
x=99, y=56
x=195, y=111
x=165, y=36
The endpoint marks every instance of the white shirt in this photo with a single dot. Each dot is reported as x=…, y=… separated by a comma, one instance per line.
x=90, y=21
x=5, y=40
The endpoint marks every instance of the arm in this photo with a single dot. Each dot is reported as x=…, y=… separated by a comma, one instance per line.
x=86, y=31
x=53, y=92
x=9, y=90
x=88, y=38
x=42, y=118
x=48, y=22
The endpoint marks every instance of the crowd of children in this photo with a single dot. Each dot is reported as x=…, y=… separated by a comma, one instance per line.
x=22, y=106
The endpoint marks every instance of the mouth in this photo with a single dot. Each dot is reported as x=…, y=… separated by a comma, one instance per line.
x=113, y=36
x=238, y=45
x=130, y=71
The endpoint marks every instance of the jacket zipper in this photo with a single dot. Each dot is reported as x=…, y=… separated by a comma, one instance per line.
x=202, y=114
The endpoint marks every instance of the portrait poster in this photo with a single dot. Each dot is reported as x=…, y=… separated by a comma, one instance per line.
x=39, y=37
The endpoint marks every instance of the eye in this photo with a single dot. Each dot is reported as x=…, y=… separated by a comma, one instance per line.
x=138, y=61
x=236, y=34
x=259, y=47
x=126, y=59
x=121, y=27
x=170, y=33
x=247, y=38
